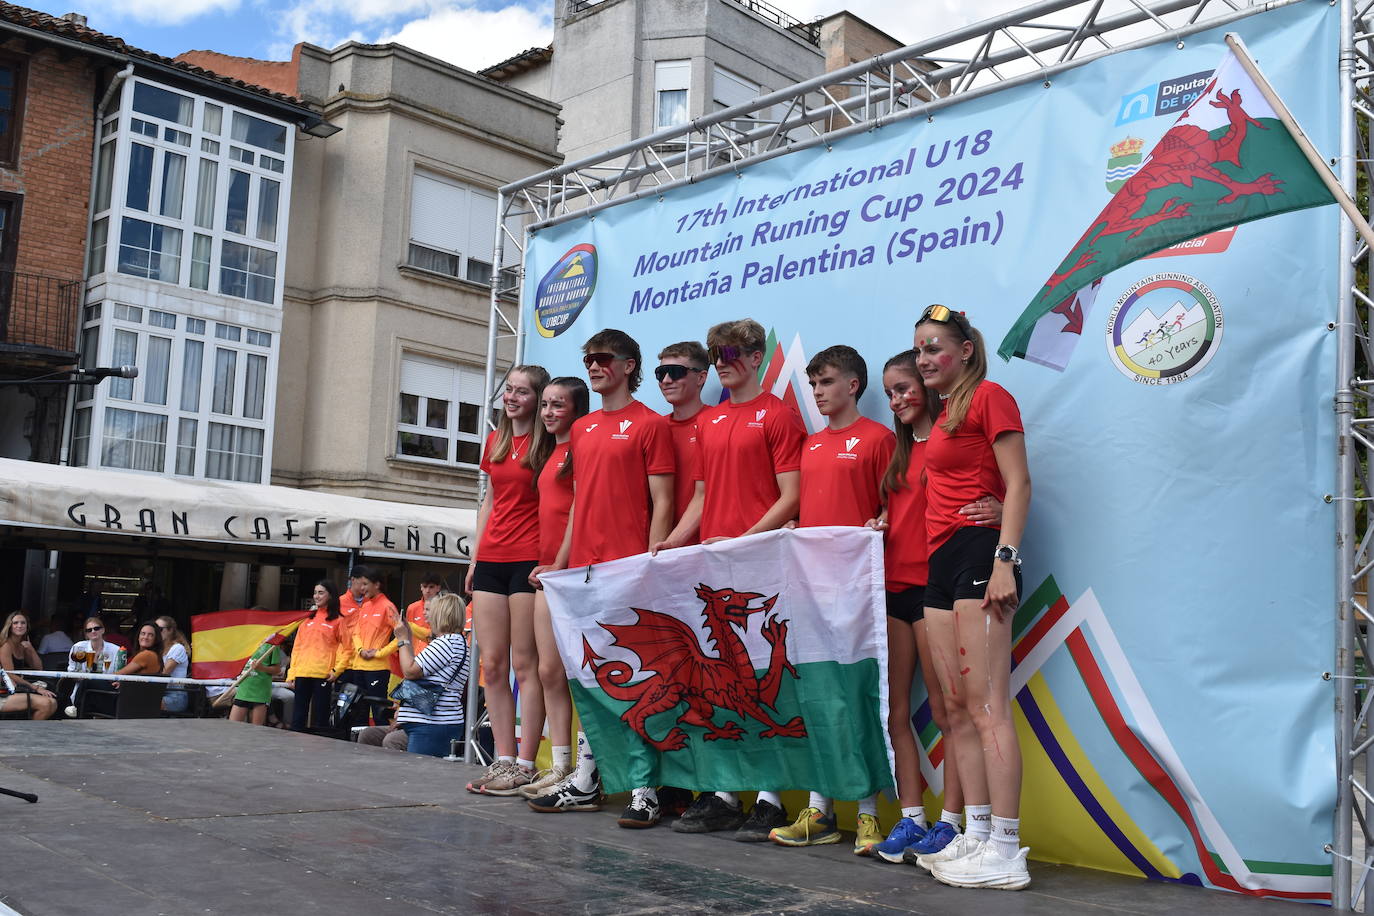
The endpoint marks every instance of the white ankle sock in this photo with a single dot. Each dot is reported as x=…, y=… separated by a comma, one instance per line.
x=504, y=759
x=979, y=821
x=771, y=797
x=820, y=803
x=869, y=805
x=918, y=814
x=730, y=798
x=648, y=792
x=525, y=764
x=562, y=756
x=585, y=776
x=1006, y=836
x=954, y=818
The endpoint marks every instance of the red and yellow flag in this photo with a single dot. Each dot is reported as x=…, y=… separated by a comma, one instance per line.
x=222, y=641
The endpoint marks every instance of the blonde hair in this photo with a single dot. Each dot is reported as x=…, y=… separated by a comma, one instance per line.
x=176, y=637
x=975, y=370
x=746, y=333
x=445, y=614
x=9, y=622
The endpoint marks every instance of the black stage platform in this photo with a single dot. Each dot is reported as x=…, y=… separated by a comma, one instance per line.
x=182, y=816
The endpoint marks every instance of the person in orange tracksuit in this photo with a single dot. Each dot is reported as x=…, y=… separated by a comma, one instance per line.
x=371, y=629
x=317, y=659
x=430, y=586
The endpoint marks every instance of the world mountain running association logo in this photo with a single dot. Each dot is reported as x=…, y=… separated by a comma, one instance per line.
x=1164, y=329
x=684, y=673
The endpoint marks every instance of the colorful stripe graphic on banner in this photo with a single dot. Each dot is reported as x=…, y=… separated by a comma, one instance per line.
x=222, y=641
x=755, y=663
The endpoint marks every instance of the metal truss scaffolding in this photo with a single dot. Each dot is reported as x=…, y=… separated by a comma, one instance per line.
x=1030, y=45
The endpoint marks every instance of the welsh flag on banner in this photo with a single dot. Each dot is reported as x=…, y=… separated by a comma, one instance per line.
x=1227, y=160
x=754, y=663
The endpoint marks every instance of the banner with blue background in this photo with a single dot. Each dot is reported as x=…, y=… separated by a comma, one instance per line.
x=1180, y=552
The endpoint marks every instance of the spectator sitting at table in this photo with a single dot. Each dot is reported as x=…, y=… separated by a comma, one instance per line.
x=17, y=652
x=147, y=659
x=63, y=635
x=176, y=660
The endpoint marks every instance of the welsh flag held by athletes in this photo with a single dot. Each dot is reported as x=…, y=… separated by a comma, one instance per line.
x=1227, y=160
x=754, y=663
x=222, y=641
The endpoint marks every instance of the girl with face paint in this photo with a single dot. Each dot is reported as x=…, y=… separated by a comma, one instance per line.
x=976, y=447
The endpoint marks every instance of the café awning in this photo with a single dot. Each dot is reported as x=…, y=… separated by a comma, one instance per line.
x=86, y=505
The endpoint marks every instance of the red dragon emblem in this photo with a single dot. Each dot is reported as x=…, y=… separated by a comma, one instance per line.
x=1186, y=153
x=683, y=673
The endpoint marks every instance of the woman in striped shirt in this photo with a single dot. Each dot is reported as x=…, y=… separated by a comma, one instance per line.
x=444, y=661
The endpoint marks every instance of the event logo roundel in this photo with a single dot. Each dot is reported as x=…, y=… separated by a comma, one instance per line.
x=1164, y=329
x=564, y=291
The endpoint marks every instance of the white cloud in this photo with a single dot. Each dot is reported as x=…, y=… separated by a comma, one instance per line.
x=473, y=38
x=160, y=12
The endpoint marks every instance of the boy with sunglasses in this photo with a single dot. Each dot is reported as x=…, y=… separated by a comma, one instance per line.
x=622, y=503
x=681, y=375
x=750, y=451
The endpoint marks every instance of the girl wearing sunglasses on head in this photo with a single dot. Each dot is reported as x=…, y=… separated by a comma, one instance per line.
x=977, y=447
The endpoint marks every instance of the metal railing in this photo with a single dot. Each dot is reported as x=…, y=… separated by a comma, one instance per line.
x=37, y=310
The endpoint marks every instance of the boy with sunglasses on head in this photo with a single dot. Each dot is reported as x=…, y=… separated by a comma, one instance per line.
x=622, y=503
x=750, y=451
x=842, y=469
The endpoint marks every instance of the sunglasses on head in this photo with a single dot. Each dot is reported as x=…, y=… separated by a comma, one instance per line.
x=674, y=371
x=603, y=360
x=945, y=315
x=727, y=353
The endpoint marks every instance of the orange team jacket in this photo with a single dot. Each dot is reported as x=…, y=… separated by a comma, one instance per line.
x=319, y=649
x=371, y=627
x=348, y=606
x=419, y=629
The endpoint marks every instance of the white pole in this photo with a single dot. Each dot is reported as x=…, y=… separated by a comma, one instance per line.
x=1319, y=164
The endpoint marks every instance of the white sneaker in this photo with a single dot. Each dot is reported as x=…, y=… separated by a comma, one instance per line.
x=962, y=845
x=985, y=868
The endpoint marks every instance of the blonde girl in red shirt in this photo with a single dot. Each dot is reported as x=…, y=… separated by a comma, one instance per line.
x=506, y=552
x=977, y=447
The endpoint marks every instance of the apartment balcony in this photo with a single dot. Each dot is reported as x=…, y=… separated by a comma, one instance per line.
x=38, y=316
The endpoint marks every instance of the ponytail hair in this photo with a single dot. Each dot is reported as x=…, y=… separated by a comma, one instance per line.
x=894, y=478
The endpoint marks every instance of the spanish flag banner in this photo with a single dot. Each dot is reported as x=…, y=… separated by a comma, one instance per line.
x=222, y=641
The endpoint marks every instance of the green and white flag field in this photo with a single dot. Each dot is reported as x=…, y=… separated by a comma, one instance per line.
x=754, y=663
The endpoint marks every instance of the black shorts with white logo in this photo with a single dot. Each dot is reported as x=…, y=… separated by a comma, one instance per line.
x=908, y=605
x=961, y=567
x=503, y=578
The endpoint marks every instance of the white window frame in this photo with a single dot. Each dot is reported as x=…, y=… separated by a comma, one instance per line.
x=464, y=385
x=451, y=217
x=672, y=76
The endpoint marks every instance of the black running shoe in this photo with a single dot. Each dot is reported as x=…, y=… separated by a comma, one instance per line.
x=642, y=811
x=761, y=820
x=674, y=801
x=708, y=814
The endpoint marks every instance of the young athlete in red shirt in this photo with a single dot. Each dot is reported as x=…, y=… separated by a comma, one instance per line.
x=681, y=375
x=842, y=469
x=977, y=446
x=564, y=401
x=622, y=503
x=750, y=450
x=498, y=579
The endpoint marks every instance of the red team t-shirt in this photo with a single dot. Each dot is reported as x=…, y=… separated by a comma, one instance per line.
x=555, y=501
x=906, y=550
x=512, y=532
x=961, y=467
x=842, y=474
x=688, y=462
x=615, y=452
x=742, y=448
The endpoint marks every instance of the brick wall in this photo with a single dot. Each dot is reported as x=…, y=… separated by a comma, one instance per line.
x=53, y=176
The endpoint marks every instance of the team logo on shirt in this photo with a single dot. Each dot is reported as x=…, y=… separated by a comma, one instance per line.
x=624, y=425
x=684, y=673
x=816, y=445
x=718, y=419
x=1164, y=329
x=592, y=427
x=850, y=443
x=757, y=422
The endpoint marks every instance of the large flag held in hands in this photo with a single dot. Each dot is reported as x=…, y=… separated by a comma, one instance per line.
x=222, y=641
x=754, y=663
x=1234, y=155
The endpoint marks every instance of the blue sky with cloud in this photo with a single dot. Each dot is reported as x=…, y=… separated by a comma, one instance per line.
x=469, y=34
